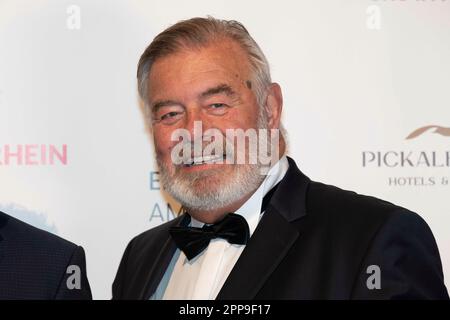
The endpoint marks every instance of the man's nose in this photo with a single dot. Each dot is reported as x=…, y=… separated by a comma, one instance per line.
x=196, y=123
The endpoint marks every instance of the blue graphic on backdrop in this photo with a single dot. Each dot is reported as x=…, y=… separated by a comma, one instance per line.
x=35, y=218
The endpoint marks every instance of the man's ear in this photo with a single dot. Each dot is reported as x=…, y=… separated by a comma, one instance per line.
x=274, y=105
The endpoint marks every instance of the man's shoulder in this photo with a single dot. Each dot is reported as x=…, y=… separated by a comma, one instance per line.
x=355, y=222
x=321, y=195
x=30, y=238
x=345, y=209
x=34, y=262
x=323, y=202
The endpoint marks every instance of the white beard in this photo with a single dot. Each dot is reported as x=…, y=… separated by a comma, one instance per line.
x=198, y=191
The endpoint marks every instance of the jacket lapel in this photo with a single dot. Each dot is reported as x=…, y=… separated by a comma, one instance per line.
x=260, y=257
x=158, y=264
x=157, y=269
x=271, y=240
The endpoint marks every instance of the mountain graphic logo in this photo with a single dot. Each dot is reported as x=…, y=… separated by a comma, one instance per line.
x=443, y=131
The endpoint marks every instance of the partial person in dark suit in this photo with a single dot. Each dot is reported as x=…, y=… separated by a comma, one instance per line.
x=37, y=265
x=251, y=230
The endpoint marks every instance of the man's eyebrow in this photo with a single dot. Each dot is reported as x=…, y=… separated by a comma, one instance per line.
x=163, y=103
x=221, y=88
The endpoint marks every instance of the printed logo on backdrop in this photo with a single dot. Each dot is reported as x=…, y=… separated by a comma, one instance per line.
x=33, y=155
x=161, y=211
x=435, y=129
x=423, y=160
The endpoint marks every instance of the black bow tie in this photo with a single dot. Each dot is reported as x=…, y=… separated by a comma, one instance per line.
x=233, y=228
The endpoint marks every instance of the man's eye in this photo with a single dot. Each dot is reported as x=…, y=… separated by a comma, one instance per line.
x=169, y=115
x=217, y=109
x=217, y=105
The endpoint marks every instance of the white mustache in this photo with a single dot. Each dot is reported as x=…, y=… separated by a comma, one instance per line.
x=197, y=152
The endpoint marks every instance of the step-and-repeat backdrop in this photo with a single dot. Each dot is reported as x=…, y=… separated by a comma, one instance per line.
x=366, y=92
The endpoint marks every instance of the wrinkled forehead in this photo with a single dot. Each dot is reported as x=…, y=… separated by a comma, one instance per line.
x=220, y=62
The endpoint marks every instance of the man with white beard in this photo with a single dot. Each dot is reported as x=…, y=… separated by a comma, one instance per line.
x=247, y=232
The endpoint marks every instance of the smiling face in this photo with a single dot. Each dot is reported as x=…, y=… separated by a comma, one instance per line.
x=212, y=85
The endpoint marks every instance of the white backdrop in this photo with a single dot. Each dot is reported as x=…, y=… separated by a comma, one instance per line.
x=358, y=77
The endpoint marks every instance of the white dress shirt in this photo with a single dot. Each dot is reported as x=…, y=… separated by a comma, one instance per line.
x=203, y=276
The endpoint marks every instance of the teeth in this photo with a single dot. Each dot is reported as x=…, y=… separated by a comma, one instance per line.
x=206, y=159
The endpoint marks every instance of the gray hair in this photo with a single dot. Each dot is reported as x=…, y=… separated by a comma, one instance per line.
x=197, y=33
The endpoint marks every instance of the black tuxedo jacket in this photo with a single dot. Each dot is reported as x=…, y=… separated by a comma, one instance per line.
x=315, y=241
x=33, y=264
